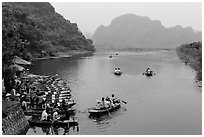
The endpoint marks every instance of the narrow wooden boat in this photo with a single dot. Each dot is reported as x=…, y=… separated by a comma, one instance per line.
x=118, y=73
x=69, y=105
x=39, y=112
x=98, y=112
x=148, y=74
x=67, y=123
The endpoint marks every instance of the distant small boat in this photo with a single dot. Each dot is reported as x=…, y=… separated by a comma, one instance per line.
x=116, y=54
x=118, y=73
x=149, y=73
x=110, y=56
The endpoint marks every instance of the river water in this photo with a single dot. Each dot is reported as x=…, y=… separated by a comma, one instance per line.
x=168, y=103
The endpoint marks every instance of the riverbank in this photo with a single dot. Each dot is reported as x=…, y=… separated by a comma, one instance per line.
x=66, y=54
x=191, y=54
x=135, y=49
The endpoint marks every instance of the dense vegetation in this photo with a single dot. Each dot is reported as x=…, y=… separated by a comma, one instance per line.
x=132, y=31
x=31, y=29
x=192, y=54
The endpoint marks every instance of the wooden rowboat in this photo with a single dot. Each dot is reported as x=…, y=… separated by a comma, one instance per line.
x=118, y=73
x=148, y=74
x=39, y=112
x=40, y=123
x=98, y=112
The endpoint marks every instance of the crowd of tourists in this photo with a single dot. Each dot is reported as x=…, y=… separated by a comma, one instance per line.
x=107, y=102
x=40, y=92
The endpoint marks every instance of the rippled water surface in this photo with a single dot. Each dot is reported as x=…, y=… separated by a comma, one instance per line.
x=167, y=103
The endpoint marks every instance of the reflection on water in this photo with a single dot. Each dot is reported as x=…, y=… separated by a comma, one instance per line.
x=167, y=103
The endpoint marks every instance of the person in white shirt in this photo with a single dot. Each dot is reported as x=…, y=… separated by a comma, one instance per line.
x=108, y=102
x=116, y=70
x=44, y=116
x=148, y=71
x=24, y=105
x=103, y=103
x=113, y=98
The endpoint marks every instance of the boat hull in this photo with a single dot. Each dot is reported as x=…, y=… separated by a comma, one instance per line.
x=118, y=73
x=39, y=112
x=98, y=112
x=148, y=74
x=40, y=123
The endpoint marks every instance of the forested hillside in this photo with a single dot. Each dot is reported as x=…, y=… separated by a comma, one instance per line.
x=32, y=29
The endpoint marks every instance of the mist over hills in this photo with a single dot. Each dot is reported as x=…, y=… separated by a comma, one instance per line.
x=133, y=31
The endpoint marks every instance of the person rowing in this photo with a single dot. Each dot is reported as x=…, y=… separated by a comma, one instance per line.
x=116, y=70
x=109, y=102
x=103, y=103
x=56, y=116
x=113, y=98
x=148, y=71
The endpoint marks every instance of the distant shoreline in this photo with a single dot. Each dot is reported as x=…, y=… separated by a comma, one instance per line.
x=67, y=54
x=135, y=49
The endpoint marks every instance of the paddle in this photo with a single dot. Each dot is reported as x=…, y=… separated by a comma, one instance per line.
x=124, y=101
x=108, y=112
x=68, y=127
x=52, y=127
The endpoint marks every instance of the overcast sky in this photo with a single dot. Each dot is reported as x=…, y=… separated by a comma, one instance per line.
x=90, y=15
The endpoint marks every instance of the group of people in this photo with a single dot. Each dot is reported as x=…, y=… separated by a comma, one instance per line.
x=149, y=71
x=52, y=114
x=48, y=117
x=107, y=102
x=19, y=87
x=22, y=91
x=117, y=71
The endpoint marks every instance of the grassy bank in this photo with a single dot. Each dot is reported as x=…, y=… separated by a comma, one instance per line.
x=191, y=54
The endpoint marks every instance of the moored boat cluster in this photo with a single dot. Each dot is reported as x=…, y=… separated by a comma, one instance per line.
x=48, y=100
x=56, y=97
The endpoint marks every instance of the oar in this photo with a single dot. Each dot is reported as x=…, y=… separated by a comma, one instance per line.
x=124, y=101
x=52, y=127
x=108, y=112
x=68, y=127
